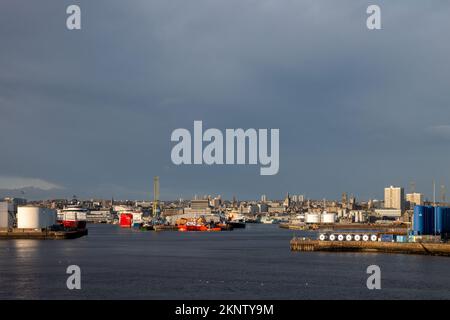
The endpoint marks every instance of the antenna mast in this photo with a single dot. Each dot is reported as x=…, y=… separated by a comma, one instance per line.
x=155, y=195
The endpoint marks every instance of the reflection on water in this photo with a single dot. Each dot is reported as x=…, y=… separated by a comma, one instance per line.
x=253, y=263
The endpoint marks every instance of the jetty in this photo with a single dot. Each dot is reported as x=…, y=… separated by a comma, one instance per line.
x=41, y=234
x=304, y=244
x=161, y=227
x=393, y=228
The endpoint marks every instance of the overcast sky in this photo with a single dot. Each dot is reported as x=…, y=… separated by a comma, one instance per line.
x=91, y=112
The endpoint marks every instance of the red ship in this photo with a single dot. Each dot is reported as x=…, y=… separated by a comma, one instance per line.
x=192, y=226
x=73, y=217
x=126, y=220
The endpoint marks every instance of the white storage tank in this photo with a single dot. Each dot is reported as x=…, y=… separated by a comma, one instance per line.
x=328, y=217
x=312, y=218
x=35, y=217
x=6, y=218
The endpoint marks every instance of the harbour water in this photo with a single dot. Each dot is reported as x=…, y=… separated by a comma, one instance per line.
x=251, y=263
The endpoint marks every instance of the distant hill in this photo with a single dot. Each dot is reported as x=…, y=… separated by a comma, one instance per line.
x=33, y=193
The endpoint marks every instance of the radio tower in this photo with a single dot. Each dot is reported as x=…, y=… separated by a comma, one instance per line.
x=155, y=195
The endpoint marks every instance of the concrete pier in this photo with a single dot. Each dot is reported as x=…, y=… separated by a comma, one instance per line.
x=439, y=249
x=41, y=234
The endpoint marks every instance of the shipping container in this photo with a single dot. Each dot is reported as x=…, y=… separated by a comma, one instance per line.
x=387, y=238
x=426, y=239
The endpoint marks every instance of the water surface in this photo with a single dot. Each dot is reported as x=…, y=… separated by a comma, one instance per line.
x=251, y=263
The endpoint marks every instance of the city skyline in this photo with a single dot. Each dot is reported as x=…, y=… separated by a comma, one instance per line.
x=34, y=194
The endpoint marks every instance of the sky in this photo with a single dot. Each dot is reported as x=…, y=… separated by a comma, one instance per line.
x=90, y=112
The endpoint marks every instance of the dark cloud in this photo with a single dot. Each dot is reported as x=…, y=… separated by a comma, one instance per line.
x=92, y=111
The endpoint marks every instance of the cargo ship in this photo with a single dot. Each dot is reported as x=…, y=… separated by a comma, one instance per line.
x=73, y=217
x=129, y=217
x=126, y=220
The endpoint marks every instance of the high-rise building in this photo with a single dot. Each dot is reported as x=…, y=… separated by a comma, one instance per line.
x=415, y=199
x=394, y=198
x=199, y=204
x=263, y=198
x=301, y=198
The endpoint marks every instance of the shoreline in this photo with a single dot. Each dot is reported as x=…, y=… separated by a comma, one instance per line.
x=434, y=249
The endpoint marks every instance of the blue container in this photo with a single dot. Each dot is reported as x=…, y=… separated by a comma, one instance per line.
x=387, y=238
x=423, y=220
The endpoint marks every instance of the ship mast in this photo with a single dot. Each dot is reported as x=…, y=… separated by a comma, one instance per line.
x=155, y=194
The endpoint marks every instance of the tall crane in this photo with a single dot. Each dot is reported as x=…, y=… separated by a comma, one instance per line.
x=155, y=195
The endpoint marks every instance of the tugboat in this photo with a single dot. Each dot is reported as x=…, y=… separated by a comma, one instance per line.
x=146, y=226
x=239, y=223
x=194, y=226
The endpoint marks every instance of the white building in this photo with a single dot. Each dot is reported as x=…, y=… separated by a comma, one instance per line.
x=394, y=198
x=415, y=199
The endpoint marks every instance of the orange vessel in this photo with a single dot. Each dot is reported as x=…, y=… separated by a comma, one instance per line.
x=196, y=227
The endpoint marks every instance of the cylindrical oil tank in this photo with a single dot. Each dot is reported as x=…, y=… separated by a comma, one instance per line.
x=328, y=217
x=423, y=220
x=312, y=218
x=446, y=221
x=52, y=216
x=35, y=217
x=442, y=220
x=6, y=218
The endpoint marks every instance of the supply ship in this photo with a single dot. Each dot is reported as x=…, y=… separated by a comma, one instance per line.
x=129, y=217
x=73, y=217
x=196, y=226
